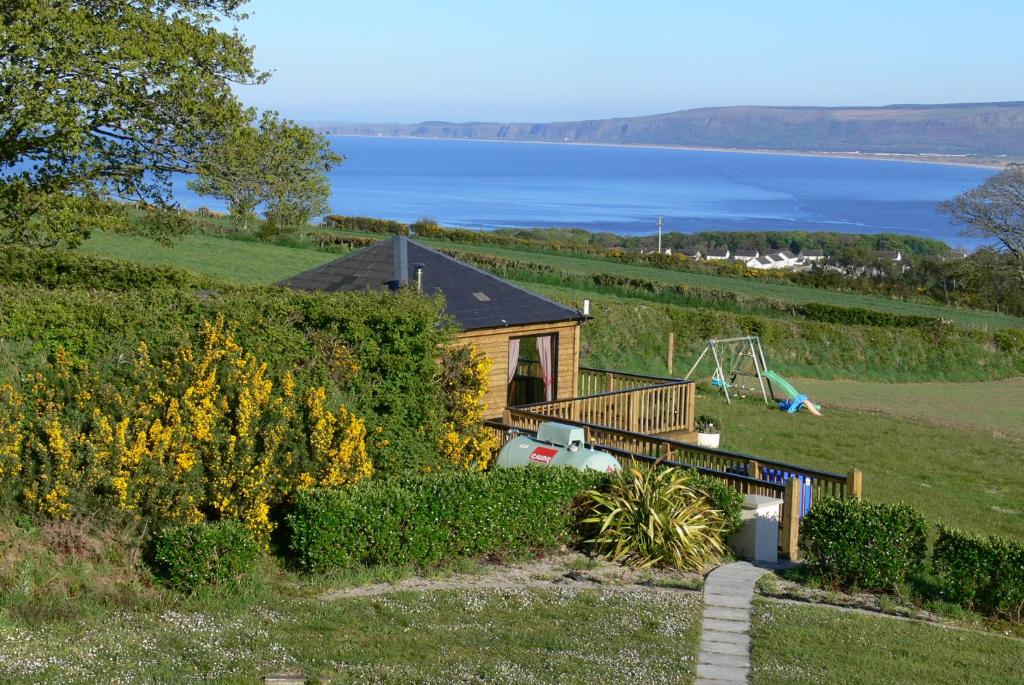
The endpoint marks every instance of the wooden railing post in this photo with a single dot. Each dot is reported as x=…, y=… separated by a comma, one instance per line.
x=791, y=519
x=690, y=419
x=506, y=417
x=754, y=469
x=633, y=407
x=671, y=350
x=611, y=381
x=854, y=483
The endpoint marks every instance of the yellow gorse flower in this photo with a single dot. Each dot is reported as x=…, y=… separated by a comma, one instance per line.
x=464, y=441
x=205, y=431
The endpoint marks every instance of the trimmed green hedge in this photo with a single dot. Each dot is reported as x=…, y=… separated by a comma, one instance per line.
x=193, y=556
x=851, y=543
x=982, y=574
x=64, y=269
x=856, y=316
x=367, y=224
x=422, y=519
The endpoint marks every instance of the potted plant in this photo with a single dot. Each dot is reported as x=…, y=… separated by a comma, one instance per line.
x=709, y=431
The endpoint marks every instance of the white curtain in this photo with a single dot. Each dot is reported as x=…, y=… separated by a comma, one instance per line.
x=513, y=357
x=544, y=352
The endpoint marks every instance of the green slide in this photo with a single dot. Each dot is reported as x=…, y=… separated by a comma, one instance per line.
x=781, y=383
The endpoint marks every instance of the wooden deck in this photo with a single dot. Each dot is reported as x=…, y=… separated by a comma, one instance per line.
x=650, y=419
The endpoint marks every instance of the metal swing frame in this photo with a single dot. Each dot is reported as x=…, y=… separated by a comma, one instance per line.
x=738, y=350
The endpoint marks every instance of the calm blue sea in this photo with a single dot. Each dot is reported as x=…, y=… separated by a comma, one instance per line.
x=483, y=184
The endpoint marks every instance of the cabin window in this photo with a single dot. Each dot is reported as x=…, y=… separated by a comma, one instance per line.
x=533, y=369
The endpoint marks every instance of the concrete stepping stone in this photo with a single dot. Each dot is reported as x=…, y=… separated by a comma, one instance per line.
x=725, y=628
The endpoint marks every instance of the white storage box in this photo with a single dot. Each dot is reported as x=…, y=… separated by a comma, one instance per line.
x=758, y=537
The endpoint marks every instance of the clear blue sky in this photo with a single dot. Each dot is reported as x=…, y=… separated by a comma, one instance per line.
x=531, y=60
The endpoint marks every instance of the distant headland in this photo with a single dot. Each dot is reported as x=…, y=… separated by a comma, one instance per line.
x=990, y=134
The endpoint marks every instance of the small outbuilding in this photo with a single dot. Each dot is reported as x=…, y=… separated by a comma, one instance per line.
x=533, y=342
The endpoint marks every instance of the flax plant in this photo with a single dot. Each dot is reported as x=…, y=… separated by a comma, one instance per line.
x=654, y=517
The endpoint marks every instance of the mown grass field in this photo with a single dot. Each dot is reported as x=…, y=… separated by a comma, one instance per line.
x=234, y=260
x=822, y=646
x=962, y=478
x=993, y=406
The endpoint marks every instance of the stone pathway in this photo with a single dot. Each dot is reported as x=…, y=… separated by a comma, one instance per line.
x=725, y=640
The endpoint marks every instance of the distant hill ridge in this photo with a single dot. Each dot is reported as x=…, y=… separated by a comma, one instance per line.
x=975, y=129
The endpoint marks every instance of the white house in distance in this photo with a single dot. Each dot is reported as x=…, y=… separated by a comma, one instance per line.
x=761, y=262
x=745, y=255
x=783, y=259
x=716, y=253
x=812, y=256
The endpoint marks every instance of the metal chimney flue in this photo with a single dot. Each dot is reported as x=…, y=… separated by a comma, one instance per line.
x=419, y=276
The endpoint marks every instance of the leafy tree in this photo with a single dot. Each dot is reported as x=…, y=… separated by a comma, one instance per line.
x=995, y=210
x=275, y=162
x=108, y=99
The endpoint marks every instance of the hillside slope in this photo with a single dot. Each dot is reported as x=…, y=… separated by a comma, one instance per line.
x=954, y=129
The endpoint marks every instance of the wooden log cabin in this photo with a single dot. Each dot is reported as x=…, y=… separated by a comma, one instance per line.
x=533, y=342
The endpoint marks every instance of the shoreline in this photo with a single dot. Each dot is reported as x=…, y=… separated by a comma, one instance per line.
x=919, y=158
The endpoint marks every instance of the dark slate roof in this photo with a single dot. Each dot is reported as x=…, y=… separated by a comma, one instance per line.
x=718, y=252
x=475, y=299
x=746, y=254
x=812, y=253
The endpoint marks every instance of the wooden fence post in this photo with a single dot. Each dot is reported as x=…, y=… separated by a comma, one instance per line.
x=855, y=483
x=754, y=469
x=506, y=417
x=671, y=350
x=691, y=399
x=791, y=519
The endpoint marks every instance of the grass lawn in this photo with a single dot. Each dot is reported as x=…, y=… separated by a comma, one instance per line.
x=803, y=644
x=234, y=260
x=968, y=479
x=511, y=635
x=996, y=406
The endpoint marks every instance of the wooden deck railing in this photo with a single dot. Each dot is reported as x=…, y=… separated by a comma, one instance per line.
x=653, y=409
x=789, y=486
x=592, y=381
x=822, y=483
